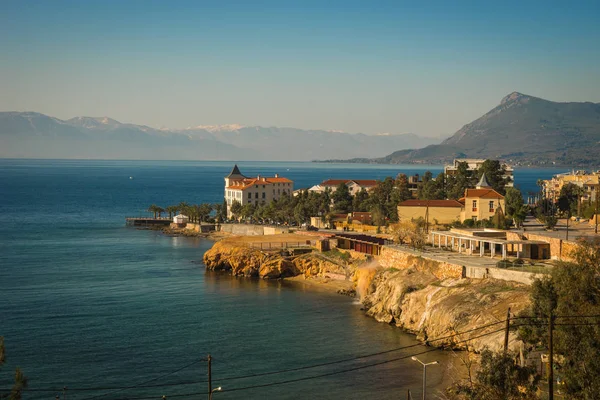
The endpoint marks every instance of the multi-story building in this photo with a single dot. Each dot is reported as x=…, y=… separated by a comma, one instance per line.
x=480, y=203
x=354, y=185
x=254, y=190
x=473, y=164
x=589, y=182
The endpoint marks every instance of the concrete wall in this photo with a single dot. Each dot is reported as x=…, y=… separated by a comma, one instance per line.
x=252, y=230
x=502, y=274
x=204, y=228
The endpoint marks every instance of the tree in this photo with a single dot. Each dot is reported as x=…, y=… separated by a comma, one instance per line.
x=457, y=184
x=361, y=201
x=401, y=188
x=20, y=379
x=572, y=289
x=172, y=210
x=404, y=231
x=342, y=199
x=433, y=189
x=154, y=209
x=498, y=378
x=236, y=209
x=495, y=172
x=416, y=235
x=569, y=198
x=515, y=208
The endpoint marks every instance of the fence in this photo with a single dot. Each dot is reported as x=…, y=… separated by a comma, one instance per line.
x=281, y=245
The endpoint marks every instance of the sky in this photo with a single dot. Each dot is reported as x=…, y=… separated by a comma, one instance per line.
x=356, y=66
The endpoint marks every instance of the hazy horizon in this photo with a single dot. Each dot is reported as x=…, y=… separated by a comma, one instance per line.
x=391, y=67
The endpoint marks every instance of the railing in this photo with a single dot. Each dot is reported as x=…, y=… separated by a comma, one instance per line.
x=281, y=245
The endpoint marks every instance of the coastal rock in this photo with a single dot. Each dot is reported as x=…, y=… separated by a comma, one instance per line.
x=421, y=304
x=241, y=260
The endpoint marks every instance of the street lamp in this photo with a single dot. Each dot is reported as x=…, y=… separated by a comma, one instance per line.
x=424, y=371
x=217, y=389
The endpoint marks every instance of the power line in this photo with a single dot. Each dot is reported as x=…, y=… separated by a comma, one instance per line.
x=230, y=378
x=139, y=385
x=321, y=375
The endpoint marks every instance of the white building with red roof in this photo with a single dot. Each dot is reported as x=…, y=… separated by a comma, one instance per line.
x=354, y=185
x=254, y=190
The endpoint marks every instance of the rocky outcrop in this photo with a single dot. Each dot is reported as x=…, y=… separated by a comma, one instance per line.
x=430, y=308
x=247, y=261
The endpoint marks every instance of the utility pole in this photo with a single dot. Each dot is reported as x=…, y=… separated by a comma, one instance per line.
x=551, y=359
x=506, y=331
x=596, y=212
x=209, y=360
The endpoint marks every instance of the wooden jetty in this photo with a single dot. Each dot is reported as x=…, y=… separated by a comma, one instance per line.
x=144, y=221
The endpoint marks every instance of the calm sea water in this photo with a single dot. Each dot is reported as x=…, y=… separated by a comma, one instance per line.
x=89, y=304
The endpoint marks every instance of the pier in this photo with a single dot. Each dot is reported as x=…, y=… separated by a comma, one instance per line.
x=145, y=221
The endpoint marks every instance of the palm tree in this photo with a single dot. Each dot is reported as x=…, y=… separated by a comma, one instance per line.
x=160, y=210
x=153, y=209
x=172, y=210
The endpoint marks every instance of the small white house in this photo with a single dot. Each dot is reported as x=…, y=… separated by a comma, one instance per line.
x=181, y=219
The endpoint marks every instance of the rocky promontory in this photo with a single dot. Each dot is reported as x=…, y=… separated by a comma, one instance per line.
x=240, y=258
x=431, y=308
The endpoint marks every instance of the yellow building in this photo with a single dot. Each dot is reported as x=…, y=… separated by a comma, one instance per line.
x=589, y=182
x=442, y=211
x=258, y=190
x=478, y=204
x=482, y=202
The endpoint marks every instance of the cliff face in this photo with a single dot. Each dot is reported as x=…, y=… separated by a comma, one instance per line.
x=250, y=262
x=420, y=303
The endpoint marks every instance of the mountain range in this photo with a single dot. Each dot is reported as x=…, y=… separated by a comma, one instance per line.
x=523, y=130
x=35, y=135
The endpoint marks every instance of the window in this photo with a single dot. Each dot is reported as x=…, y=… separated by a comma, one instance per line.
x=264, y=195
x=249, y=195
x=474, y=205
x=256, y=195
x=492, y=206
x=263, y=186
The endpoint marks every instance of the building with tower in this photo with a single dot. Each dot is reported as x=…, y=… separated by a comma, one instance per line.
x=254, y=190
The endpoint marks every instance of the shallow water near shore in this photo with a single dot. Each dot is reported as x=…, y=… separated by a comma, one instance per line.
x=88, y=303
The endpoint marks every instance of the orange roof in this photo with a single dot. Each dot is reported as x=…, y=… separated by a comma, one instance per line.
x=483, y=194
x=249, y=182
x=360, y=182
x=430, y=203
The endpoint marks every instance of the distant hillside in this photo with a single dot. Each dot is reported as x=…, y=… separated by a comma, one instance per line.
x=523, y=130
x=34, y=135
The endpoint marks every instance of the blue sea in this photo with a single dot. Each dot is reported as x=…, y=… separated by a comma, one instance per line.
x=118, y=313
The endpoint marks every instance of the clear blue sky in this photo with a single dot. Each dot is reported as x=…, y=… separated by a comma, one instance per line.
x=355, y=66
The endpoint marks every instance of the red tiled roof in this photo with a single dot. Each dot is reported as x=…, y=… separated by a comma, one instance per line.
x=483, y=193
x=430, y=203
x=360, y=182
x=249, y=182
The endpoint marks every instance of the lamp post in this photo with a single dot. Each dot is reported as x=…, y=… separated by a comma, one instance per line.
x=217, y=389
x=424, y=371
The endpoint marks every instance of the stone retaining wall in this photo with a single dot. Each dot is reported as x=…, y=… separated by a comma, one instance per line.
x=252, y=230
x=396, y=258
